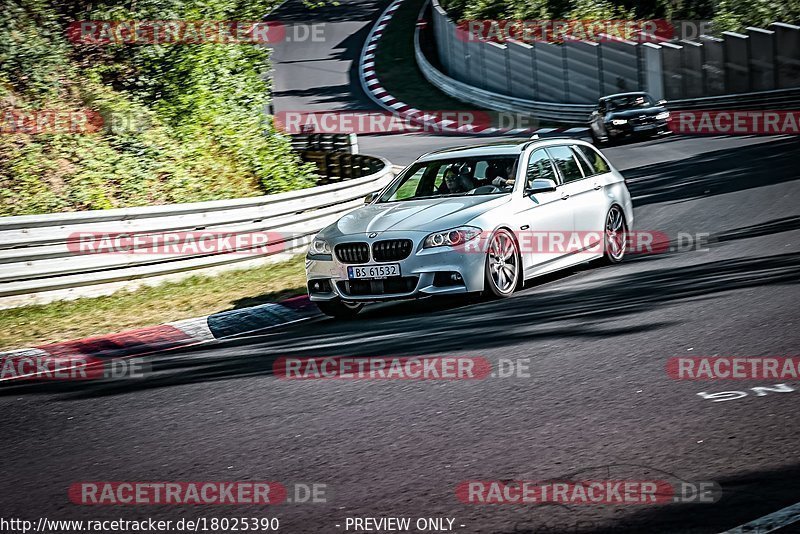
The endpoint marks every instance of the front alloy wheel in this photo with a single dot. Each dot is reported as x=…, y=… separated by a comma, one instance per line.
x=596, y=140
x=616, y=239
x=339, y=309
x=502, y=264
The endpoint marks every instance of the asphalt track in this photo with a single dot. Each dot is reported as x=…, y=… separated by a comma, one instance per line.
x=598, y=403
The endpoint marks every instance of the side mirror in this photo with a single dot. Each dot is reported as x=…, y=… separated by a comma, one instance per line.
x=540, y=185
x=370, y=197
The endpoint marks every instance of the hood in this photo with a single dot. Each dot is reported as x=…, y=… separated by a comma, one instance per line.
x=426, y=215
x=634, y=113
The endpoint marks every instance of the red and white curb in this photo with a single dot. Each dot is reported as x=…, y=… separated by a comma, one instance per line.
x=151, y=339
x=373, y=88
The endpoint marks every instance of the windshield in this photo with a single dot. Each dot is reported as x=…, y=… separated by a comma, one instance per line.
x=630, y=102
x=485, y=175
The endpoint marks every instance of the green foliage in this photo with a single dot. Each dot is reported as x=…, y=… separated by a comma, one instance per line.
x=726, y=14
x=182, y=123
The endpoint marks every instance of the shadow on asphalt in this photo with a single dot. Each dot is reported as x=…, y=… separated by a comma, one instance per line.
x=745, y=497
x=441, y=326
x=715, y=173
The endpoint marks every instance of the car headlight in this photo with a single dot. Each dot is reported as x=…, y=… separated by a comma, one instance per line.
x=619, y=122
x=452, y=238
x=664, y=115
x=319, y=247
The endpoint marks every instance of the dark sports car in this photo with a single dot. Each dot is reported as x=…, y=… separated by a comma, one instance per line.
x=628, y=115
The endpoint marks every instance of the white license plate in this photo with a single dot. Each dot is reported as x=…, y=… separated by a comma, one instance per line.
x=372, y=272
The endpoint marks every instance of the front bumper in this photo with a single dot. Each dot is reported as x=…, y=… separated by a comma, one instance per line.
x=629, y=130
x=425, y=272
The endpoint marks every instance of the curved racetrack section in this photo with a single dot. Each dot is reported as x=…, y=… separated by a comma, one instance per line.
x=598, y=402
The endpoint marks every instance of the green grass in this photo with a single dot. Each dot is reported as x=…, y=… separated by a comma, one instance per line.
x=172, y=301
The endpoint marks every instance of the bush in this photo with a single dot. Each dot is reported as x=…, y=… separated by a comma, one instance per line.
x=181, y=123
x=728, y=14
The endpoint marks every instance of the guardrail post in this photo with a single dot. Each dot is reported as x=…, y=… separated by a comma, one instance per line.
x=495, y=68
x=692, y=69
x=619, y=64
x=787, y=56
x=713, y=65
x=762, y=58
x=653, y=70
x=522, y=77
x=583, y=65
x=737, y=64
x=550, y=72
x=673, y=73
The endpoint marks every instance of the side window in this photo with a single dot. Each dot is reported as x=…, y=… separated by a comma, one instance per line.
x=540, y=166
x=586, y=170
x=439, y=178
x=565, y=160
x=598, y=164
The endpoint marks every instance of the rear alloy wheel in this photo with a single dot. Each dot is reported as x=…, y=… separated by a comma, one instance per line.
x=339, y=309
x=616, y=235
x=502, y=264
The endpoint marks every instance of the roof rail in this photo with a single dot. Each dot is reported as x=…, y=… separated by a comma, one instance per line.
x=555, y=138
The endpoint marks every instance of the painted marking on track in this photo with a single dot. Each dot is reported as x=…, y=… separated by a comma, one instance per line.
x=759, y=391
x=769, y=523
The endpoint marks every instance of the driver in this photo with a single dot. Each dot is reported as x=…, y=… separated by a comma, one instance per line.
x=457, y=180
x=502, y=179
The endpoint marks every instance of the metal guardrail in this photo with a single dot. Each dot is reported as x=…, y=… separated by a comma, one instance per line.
x=338, y=166
x=573, y=114
x=347, y=143
x=544, y=111
x=37, y=264
x=779, y=99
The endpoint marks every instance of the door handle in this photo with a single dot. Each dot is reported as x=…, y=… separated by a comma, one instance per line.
x=597, y=187
x=564, y=196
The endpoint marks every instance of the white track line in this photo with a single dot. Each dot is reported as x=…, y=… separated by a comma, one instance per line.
x=769, y=523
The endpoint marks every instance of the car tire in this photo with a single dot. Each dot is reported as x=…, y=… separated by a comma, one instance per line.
x=339, y=309
x=615, y=236
x=502, y=259
x=595, y=140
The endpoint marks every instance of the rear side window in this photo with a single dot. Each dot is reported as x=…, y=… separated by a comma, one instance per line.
x=540, y=166
x=565, y=160
x=597, y=163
